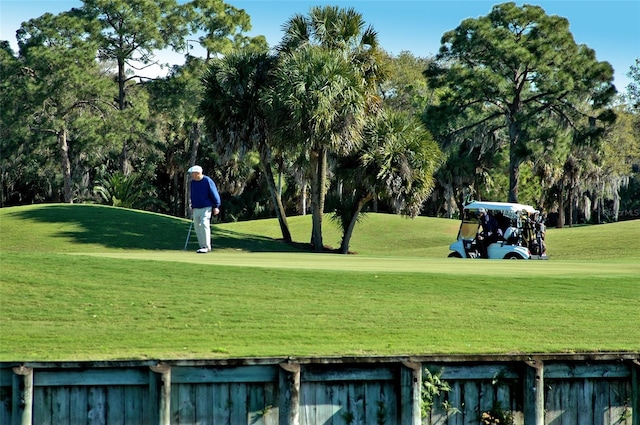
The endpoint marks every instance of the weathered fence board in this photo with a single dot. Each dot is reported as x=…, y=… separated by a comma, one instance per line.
x=579, y=390
x=222, y=404
x=109, y=376
x=195, y=375
x=96, y=406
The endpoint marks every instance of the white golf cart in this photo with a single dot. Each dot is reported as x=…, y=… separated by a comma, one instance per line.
x=521, y=234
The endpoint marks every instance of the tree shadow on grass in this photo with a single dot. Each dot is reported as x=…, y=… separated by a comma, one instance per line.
x=121, y=228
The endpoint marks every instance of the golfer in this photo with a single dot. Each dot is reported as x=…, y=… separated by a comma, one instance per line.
x=205, y=200
x=490, y=232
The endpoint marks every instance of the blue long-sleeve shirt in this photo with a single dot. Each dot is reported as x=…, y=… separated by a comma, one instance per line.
x=204, y=193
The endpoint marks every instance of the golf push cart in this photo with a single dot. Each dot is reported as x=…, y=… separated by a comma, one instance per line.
x=520, y=236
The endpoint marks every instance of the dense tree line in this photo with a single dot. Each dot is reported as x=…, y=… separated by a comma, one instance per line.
x=511, y=108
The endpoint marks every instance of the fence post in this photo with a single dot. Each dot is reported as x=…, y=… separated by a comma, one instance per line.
x=289, y=393
x=26, y=396
x=410, y=393
x=635, y=392
x=534, y=393
x=165, y=398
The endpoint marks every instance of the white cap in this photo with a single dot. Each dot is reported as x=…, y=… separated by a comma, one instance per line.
x=195, y=169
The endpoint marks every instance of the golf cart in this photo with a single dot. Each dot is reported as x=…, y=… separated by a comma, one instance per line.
x=520, y=236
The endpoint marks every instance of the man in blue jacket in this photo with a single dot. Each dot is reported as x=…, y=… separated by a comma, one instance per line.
x=205, y=200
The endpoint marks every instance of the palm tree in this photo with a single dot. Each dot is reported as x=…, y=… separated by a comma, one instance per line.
x=319, y=101
x=236, y=116
x=326, y=80
x=396, y=162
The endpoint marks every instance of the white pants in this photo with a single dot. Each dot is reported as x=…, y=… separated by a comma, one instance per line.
x=202, y=224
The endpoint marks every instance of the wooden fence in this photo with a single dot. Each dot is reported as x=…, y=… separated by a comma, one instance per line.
x=572, y=389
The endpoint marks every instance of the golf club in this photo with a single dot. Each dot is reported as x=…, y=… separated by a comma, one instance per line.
x=186, y=242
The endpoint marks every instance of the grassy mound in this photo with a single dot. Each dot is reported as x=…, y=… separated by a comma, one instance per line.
x=98, y=229
x=85, y=282
x=95, y=228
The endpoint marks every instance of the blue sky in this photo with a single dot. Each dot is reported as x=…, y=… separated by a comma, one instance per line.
x=610, y=27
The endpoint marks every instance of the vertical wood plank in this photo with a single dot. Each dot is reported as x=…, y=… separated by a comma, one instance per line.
x=470, y=410
x=204, y=404
x=78, y=405
x=239, y=413
x=59, y=405
x=486, y=396
x=174, y=403
x=410, y=390
x=388, y=402
x=256, y=407
x=585, y=402
x=115, y=405
x=601, y=403
x=304, y=405
x=619, y=400
x=437, y=414
x=356, y=403
x=152, y=401
x=221, y=404
x=271, y=399
x=331, y=409
x=96, y=404
x=570, y=400
x=553, y=403
x=133, y=405
x=455, y=402
x=46, y=408
x=184, y=404
x=38, y=406
x=372, y=407
x=391, y=399
x=338, y=399
x=323, y=411
x=317, y=411
x=503, y=395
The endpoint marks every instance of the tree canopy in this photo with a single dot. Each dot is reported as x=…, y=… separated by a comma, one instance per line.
x=516, y=108
x=510, y=71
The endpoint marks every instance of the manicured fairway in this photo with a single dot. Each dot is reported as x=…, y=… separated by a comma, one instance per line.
x=83, y=294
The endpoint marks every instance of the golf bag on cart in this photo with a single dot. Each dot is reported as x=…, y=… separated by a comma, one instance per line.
x=537, y=245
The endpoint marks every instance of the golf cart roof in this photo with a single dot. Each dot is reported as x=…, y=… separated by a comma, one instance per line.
x=500, y=206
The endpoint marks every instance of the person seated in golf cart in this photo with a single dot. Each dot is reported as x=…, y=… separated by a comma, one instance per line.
x=490, y=232
x=512, y=240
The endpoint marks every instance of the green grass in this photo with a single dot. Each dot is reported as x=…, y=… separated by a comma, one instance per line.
x=82, y=282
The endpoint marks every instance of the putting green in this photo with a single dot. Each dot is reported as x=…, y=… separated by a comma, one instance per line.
x=454, y=266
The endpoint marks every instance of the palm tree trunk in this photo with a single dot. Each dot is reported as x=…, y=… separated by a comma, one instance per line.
x=346, y=238
x=316, y=201
x=265, y=161
x=303, y=198
x=322, y=163
x=571, y=205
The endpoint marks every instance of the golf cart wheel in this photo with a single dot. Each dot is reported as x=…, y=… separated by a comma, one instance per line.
x=454, y=254
x=513, y=256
